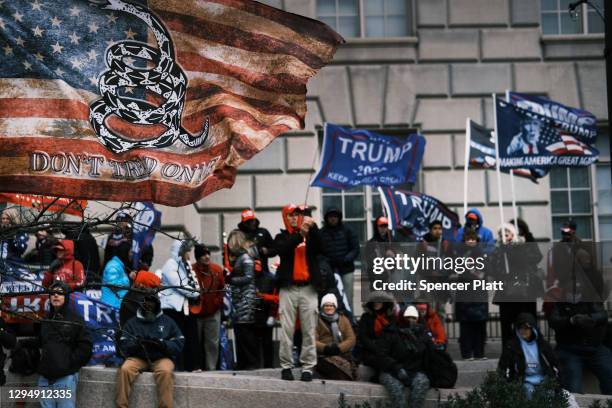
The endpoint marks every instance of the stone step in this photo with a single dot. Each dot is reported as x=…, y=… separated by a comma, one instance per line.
x=253, y=389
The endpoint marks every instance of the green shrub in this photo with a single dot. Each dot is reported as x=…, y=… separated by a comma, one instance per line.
x=496, y=392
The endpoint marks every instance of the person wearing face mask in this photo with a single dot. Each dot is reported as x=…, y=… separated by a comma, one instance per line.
x=150, y=341
x=527, y=356
x=335, y=340
x=298, y=279
x=42, y=253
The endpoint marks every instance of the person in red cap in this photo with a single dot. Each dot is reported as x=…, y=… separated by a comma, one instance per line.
x=208, y=310
x=298, y=279
x=264, y=282
x=382, y=233
x=475, y=222
x=65, y=268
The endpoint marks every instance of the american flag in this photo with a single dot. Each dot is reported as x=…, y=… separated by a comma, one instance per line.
x=569, y=145
x=246, y=66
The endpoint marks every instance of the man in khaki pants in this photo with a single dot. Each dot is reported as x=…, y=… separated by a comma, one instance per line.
x=149, y=341
x=298, y=278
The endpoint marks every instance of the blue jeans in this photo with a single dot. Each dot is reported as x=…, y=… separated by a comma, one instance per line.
x=68, y=382
x=574, y=358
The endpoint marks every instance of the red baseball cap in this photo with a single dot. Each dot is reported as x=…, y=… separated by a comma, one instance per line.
x=472, y=216
x=382, y=221
x=248, y=214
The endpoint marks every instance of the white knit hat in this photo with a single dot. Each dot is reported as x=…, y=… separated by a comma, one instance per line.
x=411, y=311
x=329, y=298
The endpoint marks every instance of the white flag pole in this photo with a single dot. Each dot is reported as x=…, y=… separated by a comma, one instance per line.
x=468, y=140
x=497, y=166
x=514, y=208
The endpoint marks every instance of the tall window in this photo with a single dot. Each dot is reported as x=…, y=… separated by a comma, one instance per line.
x=570, y=197
x=557, y=20
x=366, y=18
x=604, y=188
x=360, y=206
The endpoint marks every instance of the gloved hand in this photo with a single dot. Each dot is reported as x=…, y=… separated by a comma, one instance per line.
x=154, y=344
x=583, y=321
x=331, y=350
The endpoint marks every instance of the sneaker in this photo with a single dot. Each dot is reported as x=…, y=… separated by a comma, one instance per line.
x=306, y=376
x=287, y=374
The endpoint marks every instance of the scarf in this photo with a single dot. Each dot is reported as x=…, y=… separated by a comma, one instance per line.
x=332, y=322
x=380, y=323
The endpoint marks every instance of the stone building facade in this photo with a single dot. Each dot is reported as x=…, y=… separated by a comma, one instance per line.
x=452, y=56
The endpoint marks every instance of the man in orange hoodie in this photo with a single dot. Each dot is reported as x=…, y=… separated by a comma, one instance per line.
x=65, y=268
x=298, y=279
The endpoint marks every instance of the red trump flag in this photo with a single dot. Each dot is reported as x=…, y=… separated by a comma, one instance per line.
x=157, y=100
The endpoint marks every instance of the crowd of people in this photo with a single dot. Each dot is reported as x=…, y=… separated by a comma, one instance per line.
x=172, y=320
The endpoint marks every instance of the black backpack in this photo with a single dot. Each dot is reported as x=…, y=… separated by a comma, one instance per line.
x=441, y=370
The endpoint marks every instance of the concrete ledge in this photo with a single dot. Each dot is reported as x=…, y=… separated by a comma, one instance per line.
x=253, y=389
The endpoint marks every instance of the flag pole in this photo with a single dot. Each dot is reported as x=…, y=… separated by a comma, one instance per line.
x=468, y=140
x=514, y=208
x=497, y=166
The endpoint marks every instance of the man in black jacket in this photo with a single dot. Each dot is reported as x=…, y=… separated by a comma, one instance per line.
x=298, y=278
x=66, y=346
x=341, y=247
x=580, y=329
x=149, y=341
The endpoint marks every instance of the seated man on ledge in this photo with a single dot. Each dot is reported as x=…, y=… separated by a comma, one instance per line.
x=149, y=341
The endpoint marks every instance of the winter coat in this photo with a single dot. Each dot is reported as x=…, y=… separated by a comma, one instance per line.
x=341, y=366
x=406, y=348
x=212, y=283
x=242, y=285
x=114, y=240
x=340, y=244
x=262, y=239
x=69, y=270
x=324, y=336
x=174, y=273
x=370, y=346
x=433, y=324
x=114, y=274
x=285, y=244
x=484, y=233
x=512, y=363
x=568, y=334
x=163, y=328
x=65, y=347
x=521, y=281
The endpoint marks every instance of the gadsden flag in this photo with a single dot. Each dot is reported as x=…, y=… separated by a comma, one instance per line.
x=157, y=100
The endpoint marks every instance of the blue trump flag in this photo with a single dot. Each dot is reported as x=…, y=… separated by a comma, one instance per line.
x=146, y=223
x=102, y=321
x=530, y=140
x=577, y=122
x=353, y=157
x=415, y=211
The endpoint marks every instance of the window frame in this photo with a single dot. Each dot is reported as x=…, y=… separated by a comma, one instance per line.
x=568, y=190
x=410, y=21
x=585, y=11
